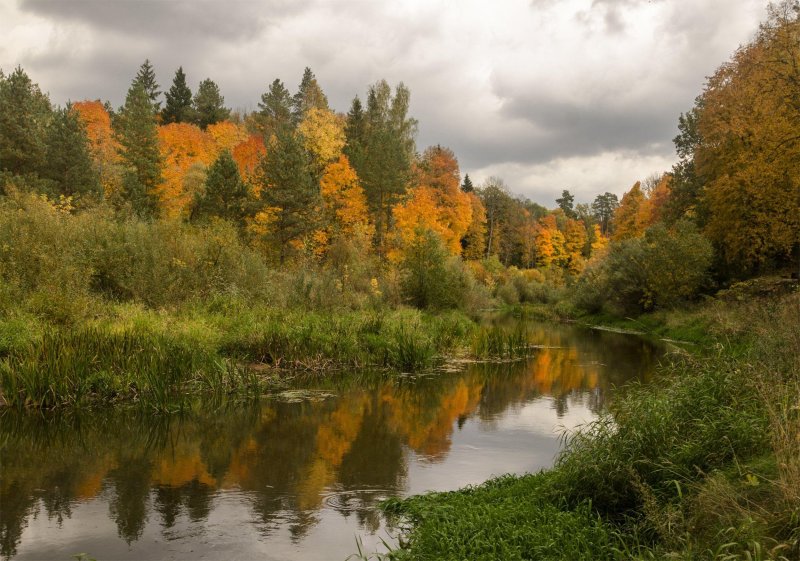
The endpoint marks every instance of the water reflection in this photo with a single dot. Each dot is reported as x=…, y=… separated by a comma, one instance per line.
x=260, y=478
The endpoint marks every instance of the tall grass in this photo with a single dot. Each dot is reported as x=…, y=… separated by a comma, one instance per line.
x=67, y=368
x=498, y=342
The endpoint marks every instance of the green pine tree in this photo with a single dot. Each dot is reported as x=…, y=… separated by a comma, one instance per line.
x=309, y=94
x=25, y=113
x=147, y=78
x=179, y=100
x=136, y=132
x=467, y=185
x=208, y=106
x=287, y=184
x=566, y=203
x=275, y=110
x=68, y=163
x=225, y=194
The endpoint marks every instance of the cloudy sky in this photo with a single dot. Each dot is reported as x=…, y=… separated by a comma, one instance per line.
x=547, y=94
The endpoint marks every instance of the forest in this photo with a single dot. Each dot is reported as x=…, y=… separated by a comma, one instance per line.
x=173, y=247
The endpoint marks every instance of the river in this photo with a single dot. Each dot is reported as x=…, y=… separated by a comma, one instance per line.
x=297, y=475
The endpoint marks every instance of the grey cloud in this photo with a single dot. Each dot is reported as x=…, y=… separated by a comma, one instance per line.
x=167, y=20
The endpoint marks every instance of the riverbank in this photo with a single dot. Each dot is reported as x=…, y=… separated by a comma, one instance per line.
x=161, y=358
x=704, y=464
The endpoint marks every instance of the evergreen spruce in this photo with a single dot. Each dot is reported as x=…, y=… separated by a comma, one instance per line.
x=208, y=106
x=287, y=184
x=309, y=94
x=275, y=110
x=467, y=186
x=147, y=78
x=137, y=134
x=225, y=194
x=179, y=100
x=25, y=113
x=68, y=163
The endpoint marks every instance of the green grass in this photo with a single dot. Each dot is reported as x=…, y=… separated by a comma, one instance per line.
x=509, y=518
x=162, y=358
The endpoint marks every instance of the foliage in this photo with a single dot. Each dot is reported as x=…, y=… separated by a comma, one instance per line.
x=146, y=78
x=68, y=163
x=662, y=269
x=288, y=192
x=431, y=277
x=274, y=110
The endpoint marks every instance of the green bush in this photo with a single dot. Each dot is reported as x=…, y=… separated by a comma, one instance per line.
x=431, y=278
x=659, y=270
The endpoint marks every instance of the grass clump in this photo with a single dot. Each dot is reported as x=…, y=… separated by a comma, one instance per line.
x=510, y=518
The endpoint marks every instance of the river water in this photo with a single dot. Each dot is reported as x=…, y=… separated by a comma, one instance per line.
x=296, y=476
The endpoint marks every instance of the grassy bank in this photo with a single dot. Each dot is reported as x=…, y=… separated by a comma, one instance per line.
x=132, y=353
x=704, y=464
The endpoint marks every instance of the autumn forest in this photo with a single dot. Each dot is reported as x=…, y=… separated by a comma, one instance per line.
x=172, y=254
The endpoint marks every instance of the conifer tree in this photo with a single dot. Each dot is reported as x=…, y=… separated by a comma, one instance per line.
x=179, y=100
x=136, y=132
x=309, y=94
x=225, y=194
x=147, y=78
x=275, y=110
x=467, y=186
x=208, y=105
x=288, y=188
x=68, y=163
x=566, y=203
x=24, y=115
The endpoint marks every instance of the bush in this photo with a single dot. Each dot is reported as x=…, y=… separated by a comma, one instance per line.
x=431, y=278
x=659, y=270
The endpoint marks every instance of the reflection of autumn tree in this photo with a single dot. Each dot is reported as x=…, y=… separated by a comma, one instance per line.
x=287, y=457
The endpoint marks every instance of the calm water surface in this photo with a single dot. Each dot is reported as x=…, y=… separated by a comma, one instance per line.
x=297, y=476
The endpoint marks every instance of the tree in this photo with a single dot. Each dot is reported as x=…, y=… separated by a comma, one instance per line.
x=566, y=203
x=473, y=244
x=146, y=77
x=322, y=134
x=182, y=145
x=382, y=157
x=633, y=214
x=343, y=201
x=102, y=145
x=225, y=194
x=603, y=208
x=749, y=157
x=549, y=241
x=495, y=198
x=436, y=204
x=208, y=105
x=25, y=113
x=179, y=100
x=574, y=242
x=289, y=194
x=68, y=163
x=467, y=186
x=137, y=135
x=275, y=110
x=309, y=95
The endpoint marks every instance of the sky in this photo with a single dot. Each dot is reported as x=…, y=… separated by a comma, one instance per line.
x=548, y=95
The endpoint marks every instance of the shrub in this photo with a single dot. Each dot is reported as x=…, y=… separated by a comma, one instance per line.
x=431, y=277
x=659, y=270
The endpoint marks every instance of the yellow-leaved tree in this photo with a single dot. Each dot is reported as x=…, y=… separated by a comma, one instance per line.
x=437, y=203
